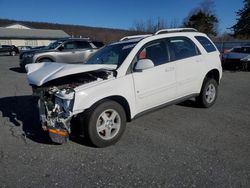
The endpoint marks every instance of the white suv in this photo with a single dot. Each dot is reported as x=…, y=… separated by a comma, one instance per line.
x=124, y=80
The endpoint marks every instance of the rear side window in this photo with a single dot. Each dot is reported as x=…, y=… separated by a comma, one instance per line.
x=237, y=50
x=69, y=45
x=209, y=47
x=182, y=47
x=82, y=45
x=245, y=50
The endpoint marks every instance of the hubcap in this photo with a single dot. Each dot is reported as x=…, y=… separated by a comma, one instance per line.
x=210, y=93
x=108, y=124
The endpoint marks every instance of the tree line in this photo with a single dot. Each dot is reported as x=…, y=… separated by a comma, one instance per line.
x=204, y=19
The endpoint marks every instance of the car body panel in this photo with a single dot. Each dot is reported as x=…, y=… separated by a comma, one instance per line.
x=41, y=73
x=152, y=90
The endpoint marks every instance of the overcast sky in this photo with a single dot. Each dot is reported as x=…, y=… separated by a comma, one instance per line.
x=113, y=13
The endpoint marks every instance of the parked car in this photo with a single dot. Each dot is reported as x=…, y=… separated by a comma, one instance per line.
x=65, y=51
x=246, y=63
x=231, y=59
x=24, y=48
x=38, y=47
x=124, y=80
x=12, y=50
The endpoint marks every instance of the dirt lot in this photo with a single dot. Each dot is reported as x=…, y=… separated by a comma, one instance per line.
x=178, y=146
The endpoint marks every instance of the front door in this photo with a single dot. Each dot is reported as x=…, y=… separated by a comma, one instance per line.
x=157, y=85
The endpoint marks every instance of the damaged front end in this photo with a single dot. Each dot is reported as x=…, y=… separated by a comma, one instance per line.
x=56, y=101
x=55, y=108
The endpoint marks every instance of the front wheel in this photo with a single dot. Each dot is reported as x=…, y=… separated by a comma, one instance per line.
x=208, y=94
x=105, y=123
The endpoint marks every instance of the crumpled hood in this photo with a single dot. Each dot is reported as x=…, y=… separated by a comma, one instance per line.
x=40, y=73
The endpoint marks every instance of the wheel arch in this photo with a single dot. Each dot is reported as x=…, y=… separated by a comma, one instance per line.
x=120, y=100
x=215, y=74
x=45, y=57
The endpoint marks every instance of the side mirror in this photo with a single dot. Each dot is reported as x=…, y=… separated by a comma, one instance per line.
x=143, y=64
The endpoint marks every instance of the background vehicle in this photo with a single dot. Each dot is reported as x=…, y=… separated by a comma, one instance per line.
x=38, y=47
x=124, y=80
x=64, y=51
x=24, y=48
x=9, y=49
x=246, y=63
x=231, y=59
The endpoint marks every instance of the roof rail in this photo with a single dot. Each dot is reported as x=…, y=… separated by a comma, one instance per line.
x=162, y=31
x=134, y=37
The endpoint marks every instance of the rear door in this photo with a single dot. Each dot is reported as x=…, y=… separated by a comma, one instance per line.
x=189, y=65
x=83, y=50
x=67, y=53
x=157, y=85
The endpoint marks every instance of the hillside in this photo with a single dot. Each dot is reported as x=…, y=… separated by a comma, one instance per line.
x=105, y=34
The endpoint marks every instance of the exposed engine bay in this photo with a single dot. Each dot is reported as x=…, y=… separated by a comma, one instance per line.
x=56, y=100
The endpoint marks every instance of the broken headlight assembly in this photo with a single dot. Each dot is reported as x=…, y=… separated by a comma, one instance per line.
x=64, y=99
x=56, y=112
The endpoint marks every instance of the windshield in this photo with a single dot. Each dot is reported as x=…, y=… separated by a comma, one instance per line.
x=54, y=45
x=112, y=54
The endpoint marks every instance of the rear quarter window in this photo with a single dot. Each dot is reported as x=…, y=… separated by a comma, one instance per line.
x=98, y=44
x=207, y=44
x=182, y=47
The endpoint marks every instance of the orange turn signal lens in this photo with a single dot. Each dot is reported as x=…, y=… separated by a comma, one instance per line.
x=58, y=132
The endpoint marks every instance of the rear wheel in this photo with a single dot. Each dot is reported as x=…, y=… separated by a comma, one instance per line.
x=12, y=53
x=208, y=93
x=105, y=123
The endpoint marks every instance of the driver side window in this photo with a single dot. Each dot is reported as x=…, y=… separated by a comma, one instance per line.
x=156, y=51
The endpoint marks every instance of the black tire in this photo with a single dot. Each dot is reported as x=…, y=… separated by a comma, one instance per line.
x=95, y=115
x=12, y=53
x=44, y=60
x=208, y=94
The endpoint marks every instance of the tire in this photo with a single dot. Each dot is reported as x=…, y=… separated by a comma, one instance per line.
x=105, y=123
x=208, y=94
x=45, y=60
x=12, y=53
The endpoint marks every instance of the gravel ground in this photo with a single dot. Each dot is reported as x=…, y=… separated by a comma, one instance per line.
x=178, y=146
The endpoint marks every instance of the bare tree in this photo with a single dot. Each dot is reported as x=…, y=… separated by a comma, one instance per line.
x=151, y=25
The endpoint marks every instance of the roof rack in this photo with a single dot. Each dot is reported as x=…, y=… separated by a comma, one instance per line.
x=134, y=37
x=162, y=31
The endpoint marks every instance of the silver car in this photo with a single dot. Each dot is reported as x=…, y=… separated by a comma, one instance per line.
x=64, y=51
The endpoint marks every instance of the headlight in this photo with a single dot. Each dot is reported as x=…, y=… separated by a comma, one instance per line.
x=65, y=99
x=64, y=104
